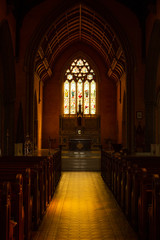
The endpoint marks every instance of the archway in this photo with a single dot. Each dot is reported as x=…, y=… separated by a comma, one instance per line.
x=123, y=61
x=152, y=65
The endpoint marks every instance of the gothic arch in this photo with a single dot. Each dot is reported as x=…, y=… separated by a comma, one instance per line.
x=129, y=68
x=150, y=83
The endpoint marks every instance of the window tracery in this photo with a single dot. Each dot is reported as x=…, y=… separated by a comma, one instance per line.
x=79, y=88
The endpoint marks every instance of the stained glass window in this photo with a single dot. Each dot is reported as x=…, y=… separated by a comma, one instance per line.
x=80, y=88
x=84, y=70
x=75, y=70
x=93, y=97
x=89, y=76
x=80, y=62
x=73, y=97
x=69, y=76
x=80, y=95
x=86, y=97
x=66, y=97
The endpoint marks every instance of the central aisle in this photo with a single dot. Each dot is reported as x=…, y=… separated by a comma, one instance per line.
x=84, y=208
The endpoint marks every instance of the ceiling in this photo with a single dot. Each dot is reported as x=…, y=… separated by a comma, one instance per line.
x=140, y=7
x=80, y=23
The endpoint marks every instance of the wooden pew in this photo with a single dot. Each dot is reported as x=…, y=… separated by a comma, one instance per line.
x=17, y=209
x=110, y=171
x=131, y=163
x=7, y=226
x=147, y=222
x=35, y=184
x=140, y=194
x=144, y=205
x=49, y=172
x=45, y=175
x=123, y=185
x=154, y=213
x=57, y=166
x=104, y=166
x=131, y=182
x=141, y=184
x=5, y=172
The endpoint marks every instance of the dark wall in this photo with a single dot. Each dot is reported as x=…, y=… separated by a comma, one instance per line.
x=52, y=100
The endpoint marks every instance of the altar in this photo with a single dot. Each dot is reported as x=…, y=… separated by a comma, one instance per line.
x=80, y=144
x=80, y=137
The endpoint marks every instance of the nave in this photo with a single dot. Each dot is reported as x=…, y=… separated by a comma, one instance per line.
x=84, y=208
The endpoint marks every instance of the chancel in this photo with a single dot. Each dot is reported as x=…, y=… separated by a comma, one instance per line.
x=79, y=119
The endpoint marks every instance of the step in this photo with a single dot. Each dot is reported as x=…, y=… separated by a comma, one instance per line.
x=81, y=161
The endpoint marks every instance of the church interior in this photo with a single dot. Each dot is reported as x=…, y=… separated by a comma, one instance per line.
x=79, y=119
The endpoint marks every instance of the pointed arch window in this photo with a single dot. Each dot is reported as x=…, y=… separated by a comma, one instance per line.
x=80, y=88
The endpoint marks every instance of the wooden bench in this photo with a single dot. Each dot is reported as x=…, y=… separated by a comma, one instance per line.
x=57, y=167
x=45, y=173
x=144, y=204
x=36, y=185
x=154, y=212
x=17, y=208
x=7, y=225
x=131, y=181
x=6, y=171
x=139, y=193
x=130, y=166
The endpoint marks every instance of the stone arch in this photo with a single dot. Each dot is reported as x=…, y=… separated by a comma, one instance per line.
x=130, y=66
x=150, y=84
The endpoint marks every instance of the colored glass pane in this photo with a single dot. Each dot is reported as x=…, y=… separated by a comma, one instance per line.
x=73, y=98
x=79, y=94
x=93, y=97
x=89, y=76
x=69, y=76
x=80, y=62
x=79, y=88
x=75, y=70
x=66, y=97
x=84, y=70
x=86, y=97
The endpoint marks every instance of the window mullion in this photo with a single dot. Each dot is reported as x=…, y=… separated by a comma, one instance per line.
x=83, y=96
x=69, y=97
x=89, y=96
x=76, y=96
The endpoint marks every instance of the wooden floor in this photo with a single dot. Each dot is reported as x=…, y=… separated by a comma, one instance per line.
x=84, y=208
